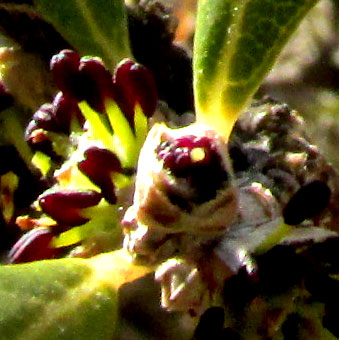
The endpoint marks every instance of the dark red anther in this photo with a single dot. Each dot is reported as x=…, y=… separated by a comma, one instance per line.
x=65, y=71
x=135, y=85
x=98, y=166
x=65, y=206
x=197, y=159
x=38, y=139
x=97, y=82
x=33, y=246
x=65, y=109
x=6, y=100
x=307, y=202
x=177, y=154
x=35, y=134
x=191, y=142
x=32, y=126
x=182, y=159
x=45, y=118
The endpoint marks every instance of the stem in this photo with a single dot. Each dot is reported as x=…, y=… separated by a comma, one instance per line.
x=125, y=141
x=141, y=126
x=98, y=128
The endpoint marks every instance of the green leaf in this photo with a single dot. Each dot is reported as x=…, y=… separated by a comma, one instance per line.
x=12, y=128
x=236, y=44
x=93, y=27
x=66, y=299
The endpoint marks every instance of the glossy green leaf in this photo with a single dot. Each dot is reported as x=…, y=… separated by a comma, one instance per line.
x=66, y=299
x=92, y=27
x=236, y=44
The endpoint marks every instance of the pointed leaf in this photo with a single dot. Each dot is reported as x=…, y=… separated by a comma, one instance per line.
x=64, y=299
x=236, y=44
x=93, y=27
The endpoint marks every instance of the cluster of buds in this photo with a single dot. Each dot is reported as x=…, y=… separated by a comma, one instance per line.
x=87, y=141
x=194, y=158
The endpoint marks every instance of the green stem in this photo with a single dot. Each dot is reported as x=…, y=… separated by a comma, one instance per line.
x=98, y=128
x=124, y=139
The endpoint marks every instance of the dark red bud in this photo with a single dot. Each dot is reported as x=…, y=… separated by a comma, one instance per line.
x=39, y=140
x=45, y=118
x=135, y=85
x=65, y=109
x=177, y=154
x=197, y=159
x=33, y=246
x=97, y=82
x=32, y=126
x=98, y=166
x=65, y=71
x=65, y=206
x=191, y=142
x=42, y=119
x=307, y=202
x=6, y=100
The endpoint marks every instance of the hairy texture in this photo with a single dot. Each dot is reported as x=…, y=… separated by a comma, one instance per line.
x=232, y=250
x=269, y=145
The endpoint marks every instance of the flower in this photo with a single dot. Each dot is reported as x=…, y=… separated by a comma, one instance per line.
x=87, y=141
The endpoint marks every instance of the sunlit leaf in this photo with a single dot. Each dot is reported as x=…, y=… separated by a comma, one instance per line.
x=93, y=27
x=64, y=299
x=236, y=44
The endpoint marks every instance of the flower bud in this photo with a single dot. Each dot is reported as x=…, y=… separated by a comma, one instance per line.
x=97, y=82
x=307, y=202
x=45, y=118
x=65, y=109
x=65, y=206
x=31, y=127
x=135, y=85
x=35, y=133
x=65, y=71
x=39, y=140
x=33, y=246
x=98, y=166
x=196, y=158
